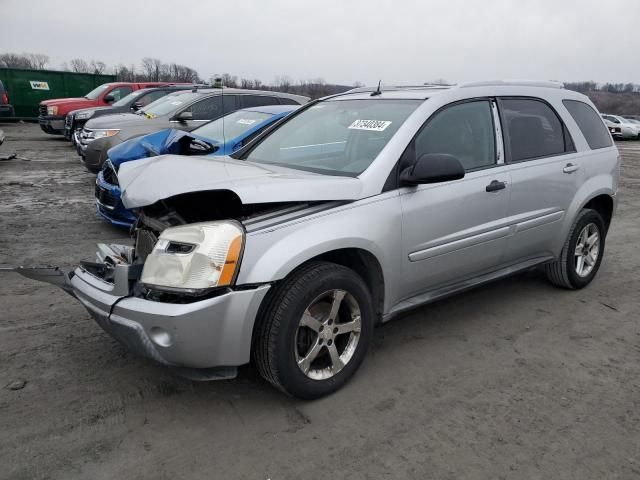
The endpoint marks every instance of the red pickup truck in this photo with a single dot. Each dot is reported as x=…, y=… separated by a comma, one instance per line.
x=52, y=112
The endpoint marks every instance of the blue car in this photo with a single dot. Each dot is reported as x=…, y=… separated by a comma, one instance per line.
x=219, y=137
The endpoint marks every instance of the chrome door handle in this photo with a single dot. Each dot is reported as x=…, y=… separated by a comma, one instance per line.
x=570, y=168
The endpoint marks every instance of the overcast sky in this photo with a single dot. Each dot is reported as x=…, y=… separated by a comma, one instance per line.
x=341, y=41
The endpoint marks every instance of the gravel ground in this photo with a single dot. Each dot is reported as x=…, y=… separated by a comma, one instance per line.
x=513, y=380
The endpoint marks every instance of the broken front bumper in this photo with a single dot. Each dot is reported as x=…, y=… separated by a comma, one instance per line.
x=215, y=332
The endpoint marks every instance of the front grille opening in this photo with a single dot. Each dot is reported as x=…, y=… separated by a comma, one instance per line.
x=106, y=198
x=109, y=174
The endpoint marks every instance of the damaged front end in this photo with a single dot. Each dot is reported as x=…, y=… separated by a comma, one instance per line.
x=149, y=296
x=173, y=295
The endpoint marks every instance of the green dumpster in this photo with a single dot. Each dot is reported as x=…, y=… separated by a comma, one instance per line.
x=27, y=88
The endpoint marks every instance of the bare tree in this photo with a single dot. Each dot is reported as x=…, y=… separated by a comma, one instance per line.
x=125, y=74
x=35, y=61
x=151, y=68
x=282, y=83
x=38, y=60
x=230, y=81
x=79, y=65
x=97, y=66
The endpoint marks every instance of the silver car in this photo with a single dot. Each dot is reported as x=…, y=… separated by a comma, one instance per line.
x=352, y=210
x=628, y=128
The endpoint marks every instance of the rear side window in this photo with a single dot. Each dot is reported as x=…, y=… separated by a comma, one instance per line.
x=533, y=129
x=465, y=131
x=257, y=101
x=590, y=123
x=287, y=101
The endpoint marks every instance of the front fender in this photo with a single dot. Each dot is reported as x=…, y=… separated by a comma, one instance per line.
x=373, y=225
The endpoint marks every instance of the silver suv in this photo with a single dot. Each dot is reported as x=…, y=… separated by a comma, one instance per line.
x=353, y=209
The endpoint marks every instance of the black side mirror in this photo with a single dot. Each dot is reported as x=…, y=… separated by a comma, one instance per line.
x=184, y=116
x=136, y=106
x=109, y=98
x=432, y=168
x=195, y=146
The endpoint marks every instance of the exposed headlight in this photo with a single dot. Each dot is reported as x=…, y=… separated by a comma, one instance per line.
x=196, y=257
x=84, y=115
x=105, y=133
x=52, y=110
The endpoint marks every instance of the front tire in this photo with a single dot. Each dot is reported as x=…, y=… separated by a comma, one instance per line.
x=314, y=330
x=582, y=252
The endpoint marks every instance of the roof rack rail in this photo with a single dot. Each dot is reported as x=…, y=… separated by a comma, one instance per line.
x=515, y=83
x=389, y=88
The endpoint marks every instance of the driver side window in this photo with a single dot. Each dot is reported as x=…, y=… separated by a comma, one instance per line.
x=120, y=92
x=464, y=130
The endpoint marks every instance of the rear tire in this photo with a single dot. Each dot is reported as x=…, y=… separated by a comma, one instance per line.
x=314, y=330
x=582, y=252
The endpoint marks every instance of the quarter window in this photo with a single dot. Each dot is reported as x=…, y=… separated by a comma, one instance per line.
x=464, y=130
x=533, y=129
x=257, y=101
x=590, y=124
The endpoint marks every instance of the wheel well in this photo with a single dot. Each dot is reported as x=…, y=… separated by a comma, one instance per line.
x=366, y=265
x=603, y=204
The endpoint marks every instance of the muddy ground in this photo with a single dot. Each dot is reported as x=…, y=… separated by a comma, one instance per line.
x=517, y=379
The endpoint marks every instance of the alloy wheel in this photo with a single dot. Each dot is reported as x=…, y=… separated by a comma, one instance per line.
x=328, y=334
x=587, y=250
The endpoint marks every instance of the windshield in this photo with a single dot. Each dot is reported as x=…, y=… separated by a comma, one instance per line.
x=234, y=124
x=124, y=101
x=339, y=137
x=169, y=104
x=96, y=92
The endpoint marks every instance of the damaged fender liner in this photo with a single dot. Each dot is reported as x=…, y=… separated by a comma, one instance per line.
x=48, y=274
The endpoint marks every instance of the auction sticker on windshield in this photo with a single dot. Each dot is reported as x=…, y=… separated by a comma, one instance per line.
x=373, y=125
x=246, y=121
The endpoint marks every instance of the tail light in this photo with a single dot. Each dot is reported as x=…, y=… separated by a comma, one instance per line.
x=5, y=98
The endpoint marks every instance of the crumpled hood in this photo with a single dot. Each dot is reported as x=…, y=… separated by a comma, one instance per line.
x=146, y=181
x=152, y=145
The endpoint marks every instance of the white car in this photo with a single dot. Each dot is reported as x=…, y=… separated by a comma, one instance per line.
x=628, y=128
x=614, y=129
x=635, y=121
